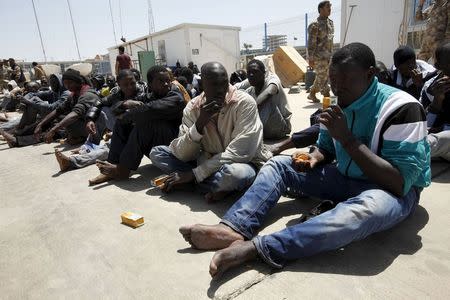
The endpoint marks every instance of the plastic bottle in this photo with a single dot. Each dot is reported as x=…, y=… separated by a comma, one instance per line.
x=326, y=102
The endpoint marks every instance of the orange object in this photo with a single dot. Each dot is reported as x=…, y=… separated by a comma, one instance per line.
x=132, y=219
x=301, y=157
x=159, y=181
x=326, y=102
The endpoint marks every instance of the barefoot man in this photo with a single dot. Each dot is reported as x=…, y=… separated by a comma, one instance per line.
x=144, y=124
x=220, y=142
x=377, y=134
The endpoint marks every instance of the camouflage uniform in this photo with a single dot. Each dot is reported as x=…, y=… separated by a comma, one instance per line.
x=320, y=48
x=437, y=20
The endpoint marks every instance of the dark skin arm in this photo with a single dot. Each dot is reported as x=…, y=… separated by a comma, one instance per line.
x=271, y=90
x=208, y=111
x=374, y=167
x=48, y=118
x=68, y=120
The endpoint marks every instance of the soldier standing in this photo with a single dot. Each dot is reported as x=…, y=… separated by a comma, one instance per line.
x=320, y=48
x=437, y=19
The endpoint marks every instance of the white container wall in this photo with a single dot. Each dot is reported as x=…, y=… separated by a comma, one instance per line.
x=188, y=42
x=374, y=23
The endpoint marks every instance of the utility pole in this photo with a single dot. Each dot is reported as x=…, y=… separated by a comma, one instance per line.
x=39, y=30
x=348, y=23
x=151, y=21
x=74, y=31
x=112, y=20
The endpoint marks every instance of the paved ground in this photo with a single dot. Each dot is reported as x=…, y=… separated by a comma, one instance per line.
x=60, y=238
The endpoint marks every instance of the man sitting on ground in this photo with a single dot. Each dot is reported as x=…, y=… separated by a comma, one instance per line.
x=436, y=100
x=143, y=126
x=273, y=108
x=101, y=119
x=75, y=107
x=377, y=134
x=408, y=73
x=220, y=141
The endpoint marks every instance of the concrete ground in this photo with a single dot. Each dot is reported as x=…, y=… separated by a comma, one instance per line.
x=61, y=239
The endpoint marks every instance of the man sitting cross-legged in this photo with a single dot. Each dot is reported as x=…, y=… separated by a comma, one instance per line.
x=220, y=142
x=101, y=118
x=377, y=134
x=144, y=124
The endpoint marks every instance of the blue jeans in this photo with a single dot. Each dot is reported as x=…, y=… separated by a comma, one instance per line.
x=230, y=177
x=364, y=208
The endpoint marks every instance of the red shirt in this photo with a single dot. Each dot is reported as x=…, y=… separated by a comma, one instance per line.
x=124, y=61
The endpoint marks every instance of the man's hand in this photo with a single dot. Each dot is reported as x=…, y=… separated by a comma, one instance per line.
x=49, y=136
x=91, y=128
x=335, y=121
x=131, y=103
x=38, y=132
x=177, y=178
x=207, y=112
x=304, y=162
x=440, y=87
x=417, y=78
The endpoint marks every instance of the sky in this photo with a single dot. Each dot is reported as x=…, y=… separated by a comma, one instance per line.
x=94, y=29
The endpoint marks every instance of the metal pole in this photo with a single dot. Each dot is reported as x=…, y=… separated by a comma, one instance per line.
x=74, y=32
x=265, y=37
x=306, y=30
x=348, y=23
x=39, y=30
x=112, y=20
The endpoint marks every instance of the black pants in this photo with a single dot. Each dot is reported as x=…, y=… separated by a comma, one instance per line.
x=130, y=142
x=306, y=137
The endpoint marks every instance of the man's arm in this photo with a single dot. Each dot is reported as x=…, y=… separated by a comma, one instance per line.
x=167, y=108
x=247, y=135
x=117, y=67
x=398, y=167
x=271, y=90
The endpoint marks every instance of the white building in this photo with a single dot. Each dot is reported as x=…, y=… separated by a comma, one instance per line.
x=187, y=42
x=383, y=25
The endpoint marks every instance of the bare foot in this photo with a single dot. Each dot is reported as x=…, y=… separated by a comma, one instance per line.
x=112, y=170
x=210, y=237
x=313, y=98
x=100, y=179
x=9, y=138
x=63, y=161
x=236, y=254
x=214, y=197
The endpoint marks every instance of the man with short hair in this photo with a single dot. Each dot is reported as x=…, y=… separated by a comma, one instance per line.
x=377, y=135
x=123, y=61
x=409, y=74
x=220, y=142
x=16, y=72
x=320, y=48
x=273, y=108
x=149, y=121
x=39, y=72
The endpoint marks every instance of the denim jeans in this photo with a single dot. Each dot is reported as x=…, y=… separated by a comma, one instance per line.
x=364, y=208
x=83, y=160
x=230, y=177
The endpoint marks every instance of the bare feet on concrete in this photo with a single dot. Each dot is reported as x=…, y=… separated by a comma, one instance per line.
x=112, y=170
x=9, y=138
x=210, y=237
x=100, y=179
x=236, y=254
x=63, y=161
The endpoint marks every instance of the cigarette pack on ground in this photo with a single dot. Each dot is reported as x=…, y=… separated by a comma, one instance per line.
x=132, y=219
x=159, y=181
